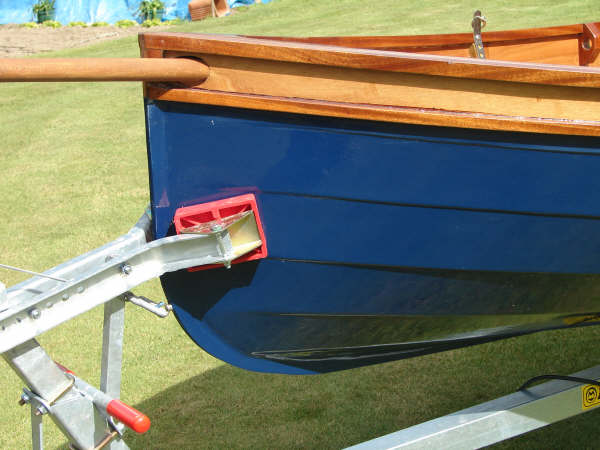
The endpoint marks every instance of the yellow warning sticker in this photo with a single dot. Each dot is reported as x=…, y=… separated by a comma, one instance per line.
x=590, y=396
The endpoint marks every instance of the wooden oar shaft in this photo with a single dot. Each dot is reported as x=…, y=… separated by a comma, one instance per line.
x=102, y=69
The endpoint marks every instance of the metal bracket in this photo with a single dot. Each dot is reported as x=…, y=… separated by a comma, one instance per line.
x=478, y=23
x=589, y=44
x=39, y=304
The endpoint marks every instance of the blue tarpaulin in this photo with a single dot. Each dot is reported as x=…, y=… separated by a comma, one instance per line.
x=19, y=11
x=236, y=3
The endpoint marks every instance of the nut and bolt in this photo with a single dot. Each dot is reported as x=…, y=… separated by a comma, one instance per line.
x=126, y=269
x=35, y=313
x=24, y=399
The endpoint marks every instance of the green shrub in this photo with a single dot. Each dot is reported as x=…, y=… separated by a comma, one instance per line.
x=78, y=24
x=52, y=24
x=101, y=24
x=43, y=10
x=151, y=23
x=30, y=25
x=126, y=23
x=150, y=9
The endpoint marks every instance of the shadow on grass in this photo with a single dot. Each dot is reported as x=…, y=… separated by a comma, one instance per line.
x=231, y=408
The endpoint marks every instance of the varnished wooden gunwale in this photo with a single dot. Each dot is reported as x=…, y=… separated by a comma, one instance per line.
x=549, y=45
x=436, y=40
x=328, y=55
x=329, y=80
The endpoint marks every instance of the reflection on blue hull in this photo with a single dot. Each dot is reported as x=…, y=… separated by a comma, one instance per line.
x=323, y=317
x=385, y=241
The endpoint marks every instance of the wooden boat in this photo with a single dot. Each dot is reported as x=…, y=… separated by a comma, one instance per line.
x=413, y=197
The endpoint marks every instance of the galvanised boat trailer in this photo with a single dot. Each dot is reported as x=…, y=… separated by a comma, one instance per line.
x=367, y=199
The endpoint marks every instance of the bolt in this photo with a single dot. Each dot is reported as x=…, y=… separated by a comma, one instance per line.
x=40, y=411
x=216, y=227
x=65, y=297
x=126, y=269
x=49, y=305
x=24, y=399
x=35, y=313
x=80, y=289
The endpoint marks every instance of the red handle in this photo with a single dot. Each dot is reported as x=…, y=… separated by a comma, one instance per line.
x=64, y=369
x=137, y=421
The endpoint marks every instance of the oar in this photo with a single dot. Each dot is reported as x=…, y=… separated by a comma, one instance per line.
x=103, y=69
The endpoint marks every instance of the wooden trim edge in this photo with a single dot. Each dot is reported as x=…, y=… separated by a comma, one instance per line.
x=418, y=116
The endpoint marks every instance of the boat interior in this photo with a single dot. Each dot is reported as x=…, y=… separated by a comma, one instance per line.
x=575, y=45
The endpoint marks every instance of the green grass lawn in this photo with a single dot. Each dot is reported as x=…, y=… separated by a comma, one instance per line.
x=74, y=176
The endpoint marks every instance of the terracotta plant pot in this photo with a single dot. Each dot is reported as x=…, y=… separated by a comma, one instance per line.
x=200, y=9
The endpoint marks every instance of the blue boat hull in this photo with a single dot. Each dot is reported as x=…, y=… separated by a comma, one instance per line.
x=385, y=240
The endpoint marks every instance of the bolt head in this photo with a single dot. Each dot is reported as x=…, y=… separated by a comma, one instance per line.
x=126, y=269
x=35, y=313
